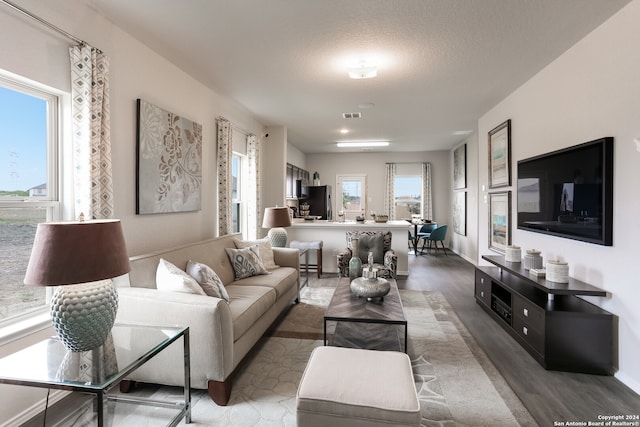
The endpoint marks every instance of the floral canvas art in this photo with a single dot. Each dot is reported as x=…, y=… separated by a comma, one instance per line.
x=169, y=162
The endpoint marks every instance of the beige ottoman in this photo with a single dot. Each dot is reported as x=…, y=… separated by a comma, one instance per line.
x=352, y=387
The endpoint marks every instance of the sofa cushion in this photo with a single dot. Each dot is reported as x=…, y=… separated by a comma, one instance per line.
x=265, y=251
x=207, y=279
x=371, y=243
x=248, y=304
x=280, y=279
x=246, y=262
x=171, y=279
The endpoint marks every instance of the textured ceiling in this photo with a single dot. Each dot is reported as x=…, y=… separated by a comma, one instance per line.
x=442, y=63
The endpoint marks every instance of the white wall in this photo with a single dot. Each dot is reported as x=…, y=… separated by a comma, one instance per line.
x=31, y=50
x=373, y=165
x=589, y=92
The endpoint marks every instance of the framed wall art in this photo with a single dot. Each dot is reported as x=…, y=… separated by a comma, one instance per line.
x=499, y=221
x=168, y=163
x=500, y=155
x=460, y=167
x=460, y=212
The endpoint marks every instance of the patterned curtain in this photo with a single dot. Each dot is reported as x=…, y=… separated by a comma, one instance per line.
x=253, y=196
x=93, y=179
x=389, y=194
x=427, y=198
x=225, y=220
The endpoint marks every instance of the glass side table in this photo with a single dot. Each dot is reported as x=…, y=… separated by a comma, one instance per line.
x=48, y=364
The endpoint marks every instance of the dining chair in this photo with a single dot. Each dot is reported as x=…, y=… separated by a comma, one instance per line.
x=425, y=232
x=437, y=235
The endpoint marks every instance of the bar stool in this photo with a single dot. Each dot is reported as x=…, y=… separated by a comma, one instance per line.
x=315, y=244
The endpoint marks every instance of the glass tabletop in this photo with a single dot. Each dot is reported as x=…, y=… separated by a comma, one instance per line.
x=49, y=363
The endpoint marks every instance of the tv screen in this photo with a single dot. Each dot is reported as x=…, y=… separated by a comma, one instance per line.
x=569, y=192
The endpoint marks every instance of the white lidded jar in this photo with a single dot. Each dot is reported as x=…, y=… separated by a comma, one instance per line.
x=532, y=259
x=513, y=254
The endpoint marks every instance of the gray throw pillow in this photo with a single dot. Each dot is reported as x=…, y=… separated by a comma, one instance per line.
x=371, y=243
x=246, y=262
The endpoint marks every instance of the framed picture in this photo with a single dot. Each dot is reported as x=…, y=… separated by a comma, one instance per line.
x=499, y=221
x=460, y=212
x=500, y=156
x=460, y=167
x=168, y=163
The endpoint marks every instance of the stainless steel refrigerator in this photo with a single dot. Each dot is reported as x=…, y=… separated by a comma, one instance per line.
x=319, y=199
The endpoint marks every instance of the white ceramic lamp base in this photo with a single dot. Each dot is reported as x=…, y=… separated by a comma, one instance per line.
x=83, y=314
x=278, y=237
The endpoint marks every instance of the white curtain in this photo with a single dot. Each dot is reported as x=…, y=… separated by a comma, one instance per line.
x=389, y=193
x=253, y=196
x=225, y=220
x=93, y=179
x=427, y=198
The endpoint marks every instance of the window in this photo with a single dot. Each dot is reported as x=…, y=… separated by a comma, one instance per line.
x=237, y=207
x=28, y=187
x=408, y=195
x=351, y=195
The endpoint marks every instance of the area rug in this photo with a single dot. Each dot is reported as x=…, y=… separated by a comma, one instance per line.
x=456, y=384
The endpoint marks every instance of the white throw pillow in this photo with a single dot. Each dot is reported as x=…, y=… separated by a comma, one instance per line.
x=246, y=262
x=170, y=278
x=208, y=279
x=265, y=251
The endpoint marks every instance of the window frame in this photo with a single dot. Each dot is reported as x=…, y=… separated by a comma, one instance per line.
x=407, y=175
x=240, y=201
x=36, y=318
x=363, y=203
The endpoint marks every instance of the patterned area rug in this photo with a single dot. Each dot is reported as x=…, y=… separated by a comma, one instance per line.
x=457, y=384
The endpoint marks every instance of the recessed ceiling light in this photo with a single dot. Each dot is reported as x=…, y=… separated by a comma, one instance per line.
x=355, y=144
x=344, y=131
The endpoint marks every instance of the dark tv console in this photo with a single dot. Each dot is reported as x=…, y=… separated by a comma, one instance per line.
x=561, y=331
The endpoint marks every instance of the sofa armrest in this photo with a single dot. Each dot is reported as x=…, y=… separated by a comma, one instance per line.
x=287, y=257
x=210, y=326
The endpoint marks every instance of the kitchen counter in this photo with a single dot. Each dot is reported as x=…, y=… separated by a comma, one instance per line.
x=332, y=233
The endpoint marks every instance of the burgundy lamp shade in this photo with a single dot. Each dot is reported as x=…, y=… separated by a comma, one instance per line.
x=66, y=253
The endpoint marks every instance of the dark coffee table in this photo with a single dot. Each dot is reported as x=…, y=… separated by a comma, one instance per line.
x=365, y=324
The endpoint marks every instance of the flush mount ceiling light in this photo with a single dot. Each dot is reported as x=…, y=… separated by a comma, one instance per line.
x=362, y=144
x=344, y=131
x=363, y=70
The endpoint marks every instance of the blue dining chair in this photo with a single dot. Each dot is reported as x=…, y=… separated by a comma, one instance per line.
x=424, y=232
x=437, y=235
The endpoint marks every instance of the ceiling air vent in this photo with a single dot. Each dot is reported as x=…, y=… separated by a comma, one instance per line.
x=351, y=115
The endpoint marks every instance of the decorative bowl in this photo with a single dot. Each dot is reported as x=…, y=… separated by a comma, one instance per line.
x=370, y=288
x=382, y=218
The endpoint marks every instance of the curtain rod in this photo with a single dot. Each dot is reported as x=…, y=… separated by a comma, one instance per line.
x=43, y=22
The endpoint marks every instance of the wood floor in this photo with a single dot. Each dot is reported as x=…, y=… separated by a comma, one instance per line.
x=550, y=396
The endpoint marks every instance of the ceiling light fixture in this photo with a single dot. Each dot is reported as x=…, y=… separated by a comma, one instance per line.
x=363, y=70
x=344, y=131
x=356, y=144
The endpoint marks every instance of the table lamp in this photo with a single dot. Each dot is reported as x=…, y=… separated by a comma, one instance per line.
x=275, y=219
x=80, y=258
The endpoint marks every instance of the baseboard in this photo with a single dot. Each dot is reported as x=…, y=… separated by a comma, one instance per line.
x=35, y=409
x=628, y=381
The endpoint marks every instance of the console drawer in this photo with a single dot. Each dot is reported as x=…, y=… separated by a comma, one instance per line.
x=530, y=313
x=483, y=288
x=532, y=336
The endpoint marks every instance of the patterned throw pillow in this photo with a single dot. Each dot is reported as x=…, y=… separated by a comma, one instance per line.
x=171, y=279
x=246, y=262
x=265, y=251
x=207, y=279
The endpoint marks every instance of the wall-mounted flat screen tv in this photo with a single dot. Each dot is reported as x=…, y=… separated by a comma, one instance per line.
x=569, y=192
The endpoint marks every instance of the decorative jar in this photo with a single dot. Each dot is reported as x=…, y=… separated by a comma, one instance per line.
x=355, y=263
x=513, y=254
x=557, y=271
x=532, y=259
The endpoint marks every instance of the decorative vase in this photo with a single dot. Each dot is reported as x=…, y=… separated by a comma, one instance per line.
x=355, y=263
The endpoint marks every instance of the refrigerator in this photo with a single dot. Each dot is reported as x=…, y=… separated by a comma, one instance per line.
x=319, y=199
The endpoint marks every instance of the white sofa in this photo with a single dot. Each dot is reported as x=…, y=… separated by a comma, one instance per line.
x=221, y=333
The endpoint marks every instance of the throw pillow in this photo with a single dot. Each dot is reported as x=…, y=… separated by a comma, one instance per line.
x=208, y=280
x=265, y=251
x=371, y=243
x=246, y=262
x=170, y=278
